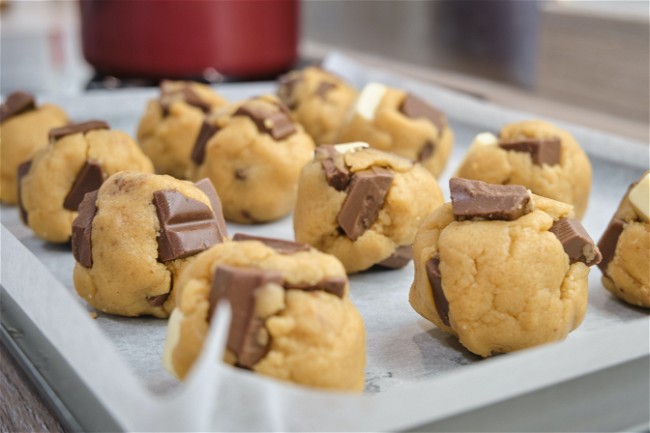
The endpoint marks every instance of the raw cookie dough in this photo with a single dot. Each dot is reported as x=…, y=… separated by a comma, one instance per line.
x=252, y=152
x=395, y=121
x=23, y=130
x=363, y=205
x=135, y=234
x=292, y=316
x=77, y=160
x=171, y=123
x=625, y=246
x=319, y=101
x=545, y=159
x=501, y=269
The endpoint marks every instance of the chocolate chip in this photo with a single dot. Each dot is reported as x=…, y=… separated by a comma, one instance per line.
x=22, y=171
x=608, y=242
x=158, y=300
x=82, y=230
x=546, y=151
x=366, y=195
x=187, y=226
x=241, y=174
x=415, y=108
x=475, y=199
x=400, y=258
x=332, y=285
x=207, y=187
x=205, y=133
x=89, y=178
x=287, y=87
x=435, y=280
x=576, y=241
x=323, y=88
x=269, y=118
x=280, y=245
x=15, y=104
x=76, y=128
x=336, y=173
x=426, y=152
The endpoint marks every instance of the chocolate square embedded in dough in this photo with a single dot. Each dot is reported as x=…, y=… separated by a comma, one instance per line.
x=76, y=128
x=576, y=241
x=435, y=280
x=473, y=199
x=207, y=187
x=22, y=171
x=415, y=108
x=89, y=178
x=542, y=151
x=280, y=245
x=608, y=242
x=332, y=285
x=337, y=174
x=400, y=258
x=269, y=118
x=205, y=133
x=15, y=104
x=287, y=88
x=82, y=230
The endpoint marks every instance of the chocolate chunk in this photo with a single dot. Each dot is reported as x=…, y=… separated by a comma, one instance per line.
x=170, y=93
x=435, y=280
x=547, y=151
x=280, y=245
x=400, y=257
x=15, y=104
x=576, y=241
x=22, y=171
x=323, y=88
x=332, y=285
x=269, y=118
x=475, y=199
x=187, y=226
x=415, y=108
x=206, y=186
x=238, y=286
x=287, y=87
x=336, y=173
x=76, y=128
x=366, y=195
x=427, y=151
x=157, y=301
x=205, y=133
x=82, y=230
x=608, y=242
x=89, y=178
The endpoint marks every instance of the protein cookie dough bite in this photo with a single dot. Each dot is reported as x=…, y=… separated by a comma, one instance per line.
x=502, y=269
x=625, y=246
x=23, y=130
x=363, y=205
x=319, y=101
x=135, y=235
x=536, y=154
x=171, y=123
x=76, y=161
x=292, y=318
x=252, y=152
x=399, y=122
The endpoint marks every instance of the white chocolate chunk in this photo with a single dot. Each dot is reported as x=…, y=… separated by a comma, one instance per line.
x=370, y=97
x=484, y=139
x=173, y=335
x=639, y=197
x=350, y=147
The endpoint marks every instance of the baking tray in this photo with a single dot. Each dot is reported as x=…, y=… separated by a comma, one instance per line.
x=105, y=374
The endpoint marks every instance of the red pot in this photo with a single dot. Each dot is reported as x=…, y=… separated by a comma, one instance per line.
x=176, y=38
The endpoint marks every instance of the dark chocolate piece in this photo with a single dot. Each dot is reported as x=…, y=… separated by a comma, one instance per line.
x=187, y=226
x=269, y=118
x=82, y=230
x=206, y=186
x=15, y=104
x=576, y=242
x=475, y=199
x=238, y=286
x=608, y=242
x=22, y=171
x=89, y=178
x=75, y=128
x=415, y=108
x=332, y=285
x=366, y=195
x=336, y=173
x=547, y=151
x=205, y=133
x=287, y=86
x=157, y=301
x=400, y=258
x=185, y=93
x=427, y=151
x=435, y=280
x=323, y=88
x=280, y=245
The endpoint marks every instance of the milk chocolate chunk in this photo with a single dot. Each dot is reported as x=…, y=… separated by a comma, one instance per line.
x=206, y=186
x=336, y=173
x=608, y=242
x=89, y=178
x=187, y=226
x=435, y=280
x=82, y=230
x=238, y=286
x=427, y=150
x=15, y=104
x=323, y=88
x=542, y=151
x=158, y=300
x=185, y=93
x=22, y=171
x=269, y=118
x=400, y=258
x=473, y=199
x=366, y=195
x=576, y=241
x=415, y=108
x=331, y=285
x=76, y=128
x=287, y=87
x=205, y=134
x=280, y=245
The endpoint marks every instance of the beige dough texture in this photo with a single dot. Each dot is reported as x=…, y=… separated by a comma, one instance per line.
x=319, y=101
x=413, y=194
x=392, y=131
x=168, y=138
x=20, y=137
x=255, y=175
x=568, y=182
x=509, y=284
x=316, y=338
x=126, y=278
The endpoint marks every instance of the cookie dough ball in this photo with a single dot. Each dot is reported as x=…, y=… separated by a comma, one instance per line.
x=252, y=152
x=134, y=236
x=625, y=246
x=23, y=131
x=545, y=159
x=395, y=121
x=292, y=318
x=77, y=160
x=319, y=101
x=171, y=123
x=363, y=205
x=502, y=269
